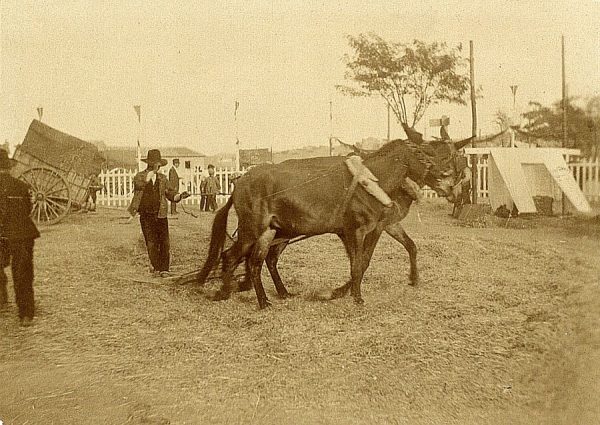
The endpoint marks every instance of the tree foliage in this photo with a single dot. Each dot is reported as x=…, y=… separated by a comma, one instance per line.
x=409, y=77
x=502, y=119
x=583, y=123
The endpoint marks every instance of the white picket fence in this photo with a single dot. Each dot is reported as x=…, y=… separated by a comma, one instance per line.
x=118, y=184
x=118, y=187
x=587, y=175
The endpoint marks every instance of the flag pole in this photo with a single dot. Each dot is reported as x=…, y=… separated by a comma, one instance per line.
x=237, y=139
x=138, y=111
x=330, y=128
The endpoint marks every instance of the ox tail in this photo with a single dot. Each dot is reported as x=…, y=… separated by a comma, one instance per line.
x=217, y=241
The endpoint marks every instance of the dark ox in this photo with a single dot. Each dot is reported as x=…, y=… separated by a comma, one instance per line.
x=311, y=197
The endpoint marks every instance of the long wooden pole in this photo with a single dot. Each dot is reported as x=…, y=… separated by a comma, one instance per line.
x=330, y=128
x=564, y=111
x=388, y=122
x=564, y=95
x=474, y=158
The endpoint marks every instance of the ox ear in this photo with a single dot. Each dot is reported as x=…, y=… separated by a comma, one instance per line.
x=462, y=143
x=413, y=135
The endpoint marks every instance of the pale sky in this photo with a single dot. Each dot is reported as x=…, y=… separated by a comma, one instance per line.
x=186, y=62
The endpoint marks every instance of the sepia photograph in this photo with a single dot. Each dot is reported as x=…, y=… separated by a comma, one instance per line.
x=300, y=212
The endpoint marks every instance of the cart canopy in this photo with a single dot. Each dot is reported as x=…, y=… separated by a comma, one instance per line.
x=61, y=151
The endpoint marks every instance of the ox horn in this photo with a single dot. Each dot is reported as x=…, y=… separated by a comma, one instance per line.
x=462, y=143
x=413, y=135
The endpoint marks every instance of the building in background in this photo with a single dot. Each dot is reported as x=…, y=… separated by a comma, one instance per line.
x=189, y=159
x=251, y=157
x=222, y=160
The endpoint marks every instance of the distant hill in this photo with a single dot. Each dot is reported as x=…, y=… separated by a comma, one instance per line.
x=309, y=152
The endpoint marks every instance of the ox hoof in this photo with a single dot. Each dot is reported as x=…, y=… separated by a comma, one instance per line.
x=287, y=295
x=245, y=286
x=221, y=296
x=264, y=304
x=338, y=293
x=359, y=301
x=413, y=281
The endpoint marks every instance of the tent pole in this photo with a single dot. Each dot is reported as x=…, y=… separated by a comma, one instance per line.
x=474, y=158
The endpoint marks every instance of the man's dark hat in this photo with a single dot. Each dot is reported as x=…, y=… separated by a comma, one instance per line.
x=154, y=157
x=5, y=161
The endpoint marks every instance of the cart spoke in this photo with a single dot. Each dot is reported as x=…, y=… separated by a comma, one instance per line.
x=58, y=198
x=51, y=196
x=46, y=211
x=34, y=209
x=59, y=190
x=29, y=180
x=39, y=213
x=53, y=210
x=45, y=178
x=38, y=176
x=56, y=183
x=58, y=205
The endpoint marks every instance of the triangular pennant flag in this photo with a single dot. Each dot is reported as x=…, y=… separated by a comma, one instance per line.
x=138, y=111
x=40, y=112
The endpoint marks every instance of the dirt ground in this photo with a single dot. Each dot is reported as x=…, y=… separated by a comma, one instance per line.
x=504, y=328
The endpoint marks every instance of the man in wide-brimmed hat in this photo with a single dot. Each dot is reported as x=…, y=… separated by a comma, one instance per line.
x=17, y=235
x=151, y=192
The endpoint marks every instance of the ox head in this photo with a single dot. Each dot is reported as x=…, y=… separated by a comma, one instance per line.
x=439, y=158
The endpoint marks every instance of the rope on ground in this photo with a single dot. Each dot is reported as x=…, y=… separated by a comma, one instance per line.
x=187, y=212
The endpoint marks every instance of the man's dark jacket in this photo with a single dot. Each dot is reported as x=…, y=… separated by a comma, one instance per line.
x=15, y=210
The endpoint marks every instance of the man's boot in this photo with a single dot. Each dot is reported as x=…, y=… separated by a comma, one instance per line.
x=3, y=293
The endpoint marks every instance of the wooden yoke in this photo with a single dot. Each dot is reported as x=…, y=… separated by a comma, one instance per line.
x=367, y=180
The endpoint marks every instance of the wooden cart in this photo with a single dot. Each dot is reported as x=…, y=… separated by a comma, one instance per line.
x=59, y=169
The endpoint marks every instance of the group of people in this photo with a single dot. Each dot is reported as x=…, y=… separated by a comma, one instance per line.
x=152, y=192
x=210, y=187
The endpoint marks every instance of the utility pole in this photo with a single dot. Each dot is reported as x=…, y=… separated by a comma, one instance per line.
x=564, y=111
x=388, y=123
x=330, y=128
x=474, y=158
x=237, y=138
x=564, y=95
x=138, y=111
x=513, y=89
x=514, y=92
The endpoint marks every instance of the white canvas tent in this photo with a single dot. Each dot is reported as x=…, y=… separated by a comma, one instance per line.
x=516, y=175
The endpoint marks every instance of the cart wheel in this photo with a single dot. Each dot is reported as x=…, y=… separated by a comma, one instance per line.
x=50, y=195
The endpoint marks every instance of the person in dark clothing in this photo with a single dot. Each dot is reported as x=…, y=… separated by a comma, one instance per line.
x=151, y=192
x=93, y=188
x=174, y=182
x=17, y=235
x=212, y=187
x=203, y=196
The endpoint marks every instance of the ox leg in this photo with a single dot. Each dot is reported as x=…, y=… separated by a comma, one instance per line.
x=246, y=284
x=231, y=259
x=259, y=253
x=341, y=291
x=271, y=260
x=359, y=262
x=369, y=247
x=397, y=232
